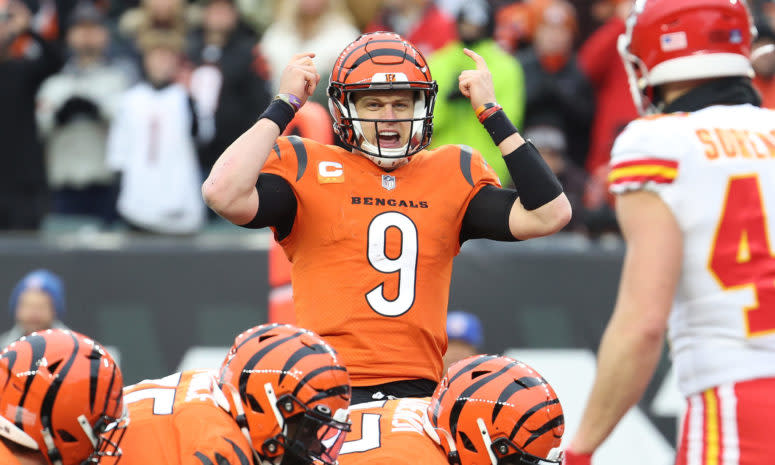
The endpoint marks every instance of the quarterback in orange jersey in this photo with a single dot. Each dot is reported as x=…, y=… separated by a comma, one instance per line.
x=60, y=401
x=280, y=397
x=488, y=410
x=372, y=231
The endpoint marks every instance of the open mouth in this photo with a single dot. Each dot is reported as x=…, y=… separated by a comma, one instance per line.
x=389, y=139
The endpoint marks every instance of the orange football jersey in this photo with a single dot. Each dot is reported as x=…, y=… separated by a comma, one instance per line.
x=390, y=433
x=178, y=420
x=372, y=251
x=6, y=456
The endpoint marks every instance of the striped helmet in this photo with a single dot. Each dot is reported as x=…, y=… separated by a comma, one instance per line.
x=288, y=392
x=491, y=410
x=60, y=394
x=381, y=61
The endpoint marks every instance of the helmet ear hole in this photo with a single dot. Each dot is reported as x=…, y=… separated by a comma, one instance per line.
x=66, y=436
x=254, y=405
x=52, y=367
x=478, y=373
x=467, y=443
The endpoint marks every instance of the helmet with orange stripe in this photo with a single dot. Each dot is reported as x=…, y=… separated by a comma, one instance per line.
x=60, y=394
x=382, y=61
x=289, y=393
x=491, y=410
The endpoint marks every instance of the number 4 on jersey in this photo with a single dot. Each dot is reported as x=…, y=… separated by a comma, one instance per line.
x=741, y=255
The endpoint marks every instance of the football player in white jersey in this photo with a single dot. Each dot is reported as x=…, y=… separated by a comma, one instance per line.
x=695, y=187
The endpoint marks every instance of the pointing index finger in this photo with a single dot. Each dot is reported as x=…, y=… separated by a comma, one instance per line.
x=480, y=63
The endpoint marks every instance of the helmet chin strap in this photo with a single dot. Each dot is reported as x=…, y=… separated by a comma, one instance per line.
x=436, y=434
x=242, y=421
x=52, y=448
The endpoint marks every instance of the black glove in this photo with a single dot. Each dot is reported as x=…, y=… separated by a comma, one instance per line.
x=77, y=107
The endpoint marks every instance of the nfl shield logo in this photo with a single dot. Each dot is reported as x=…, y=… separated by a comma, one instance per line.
x=388, y=182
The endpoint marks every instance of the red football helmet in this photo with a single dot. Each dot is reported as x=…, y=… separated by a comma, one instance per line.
x=289, y=393
x=491, y=410
x=61, y=394
x=381, y=61
x=681, y=40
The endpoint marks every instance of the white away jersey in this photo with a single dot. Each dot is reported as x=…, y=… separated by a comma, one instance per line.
x=715, y=169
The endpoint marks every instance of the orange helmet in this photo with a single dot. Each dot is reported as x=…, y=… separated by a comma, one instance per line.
x=381, y=61
x=491, y=410
x=288, y=392
x=60, y=392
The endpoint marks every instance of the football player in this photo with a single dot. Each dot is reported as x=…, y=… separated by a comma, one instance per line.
x=280, y=397
x=695, y=187
x=60, y=401
x=488, y=410
x=372, y=231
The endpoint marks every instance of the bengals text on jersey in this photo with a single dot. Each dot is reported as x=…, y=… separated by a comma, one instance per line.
x=372, y=251
x=180, y=419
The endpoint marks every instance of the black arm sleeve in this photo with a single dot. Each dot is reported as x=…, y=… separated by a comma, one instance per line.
x=487, y=215
x=276, y=205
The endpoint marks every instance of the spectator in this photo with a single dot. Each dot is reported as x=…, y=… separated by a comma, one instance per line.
x=515, y=23
x=555, y=86
x=601, y=63
x=154, y=15
x=74, y=109
x=453, y=120
x=23, y=190
x=465, y=337
x=319, y=26
x=37, y=303
x=420, y=22
x=226, y=84
x=151, y=143
x=763, y=61
x=550, y=140
x=513, y=26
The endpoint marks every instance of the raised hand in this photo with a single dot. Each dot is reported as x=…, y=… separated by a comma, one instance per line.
x=300, y=77
x=476, y=84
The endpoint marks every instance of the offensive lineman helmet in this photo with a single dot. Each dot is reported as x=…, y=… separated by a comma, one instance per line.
x=381, y=61
x=669, y=41
x=60, y=394
x=288, y=393
x=491, y=410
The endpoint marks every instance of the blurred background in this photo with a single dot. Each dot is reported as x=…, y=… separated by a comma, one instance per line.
x=113, y=112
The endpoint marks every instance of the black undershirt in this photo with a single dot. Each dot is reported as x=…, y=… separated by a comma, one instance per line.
x=487, y=215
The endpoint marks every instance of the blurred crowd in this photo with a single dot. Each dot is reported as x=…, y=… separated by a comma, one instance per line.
x=113, y=111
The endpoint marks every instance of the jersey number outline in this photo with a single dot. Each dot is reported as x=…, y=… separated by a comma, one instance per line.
x=741, y=256
x=370, y=435
x=163, y=397
x=405, y=263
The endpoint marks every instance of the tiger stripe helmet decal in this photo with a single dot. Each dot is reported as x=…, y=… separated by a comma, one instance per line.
x=491, y=410
x=381, y=61
x=288, y=392
x=59, y=392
